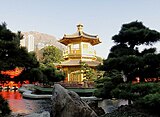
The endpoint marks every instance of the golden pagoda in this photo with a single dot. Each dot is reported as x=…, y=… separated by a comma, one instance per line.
x=79, y=49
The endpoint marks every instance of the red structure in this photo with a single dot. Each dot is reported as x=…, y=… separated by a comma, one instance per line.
x=12, y=73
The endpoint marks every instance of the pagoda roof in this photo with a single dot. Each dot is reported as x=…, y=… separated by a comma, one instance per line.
x=76, y=62
x=80, y=35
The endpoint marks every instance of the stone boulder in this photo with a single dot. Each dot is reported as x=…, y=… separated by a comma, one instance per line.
x=43, y=114
x=98, y=110
x=67, y=103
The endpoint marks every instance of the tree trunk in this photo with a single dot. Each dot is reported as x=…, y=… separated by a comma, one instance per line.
x=129, y=102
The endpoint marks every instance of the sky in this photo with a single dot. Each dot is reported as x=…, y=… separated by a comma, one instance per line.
x=99, y=17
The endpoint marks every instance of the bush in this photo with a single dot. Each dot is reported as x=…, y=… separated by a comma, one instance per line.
x=150, y=102
x=4, y=108
x=106, y=84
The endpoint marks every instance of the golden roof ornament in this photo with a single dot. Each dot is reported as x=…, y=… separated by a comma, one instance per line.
x=80, y=28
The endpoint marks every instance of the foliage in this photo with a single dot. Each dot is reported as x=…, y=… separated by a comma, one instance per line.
x=53, y=75
x=99, y=59
x=137, y=93
x=11, y=54
x=60, y=75
x=36, y=75
x=49, y=73
x=120, y=50
x=126, y=58
x=151, y=68
x=105, y=85
x=7, y=35
x=43, y=75
x=135, y=33
x=150, y=102
x=88, y=72
x=4, y=107
x=51, y=55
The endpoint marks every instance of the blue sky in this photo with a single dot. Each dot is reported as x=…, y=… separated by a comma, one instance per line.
x=100, y=17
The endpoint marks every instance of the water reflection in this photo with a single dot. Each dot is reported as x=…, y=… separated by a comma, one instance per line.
x=11, y=94
x=26, y=106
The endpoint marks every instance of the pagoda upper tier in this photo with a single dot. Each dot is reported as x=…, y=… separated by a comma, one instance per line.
x=80, y=36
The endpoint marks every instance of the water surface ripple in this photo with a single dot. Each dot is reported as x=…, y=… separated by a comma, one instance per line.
x=25, y=106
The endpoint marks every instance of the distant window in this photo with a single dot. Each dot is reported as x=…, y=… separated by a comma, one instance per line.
x=75, y=46
x=85, y=46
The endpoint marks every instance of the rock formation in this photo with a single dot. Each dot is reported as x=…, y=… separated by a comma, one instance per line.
x=68, y=104
x=44, y=114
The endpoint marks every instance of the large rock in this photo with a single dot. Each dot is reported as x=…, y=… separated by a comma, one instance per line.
x=68, y=104
x=43, y=114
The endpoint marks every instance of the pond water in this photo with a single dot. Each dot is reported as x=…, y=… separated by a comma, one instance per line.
x=20, y=105
x=25, y=106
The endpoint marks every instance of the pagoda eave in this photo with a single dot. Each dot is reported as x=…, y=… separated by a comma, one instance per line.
x=77, y=63
x=66, y=41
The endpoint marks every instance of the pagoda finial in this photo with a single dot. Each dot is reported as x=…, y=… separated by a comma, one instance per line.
x=80, y=27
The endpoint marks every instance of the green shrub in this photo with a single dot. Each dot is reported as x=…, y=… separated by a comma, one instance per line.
x=152, y=100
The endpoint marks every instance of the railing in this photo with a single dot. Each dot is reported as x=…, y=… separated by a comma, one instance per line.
x=85, y=53
x=71, y=53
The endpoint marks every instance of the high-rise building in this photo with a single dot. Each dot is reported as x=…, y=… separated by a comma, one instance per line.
x=28, y=42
